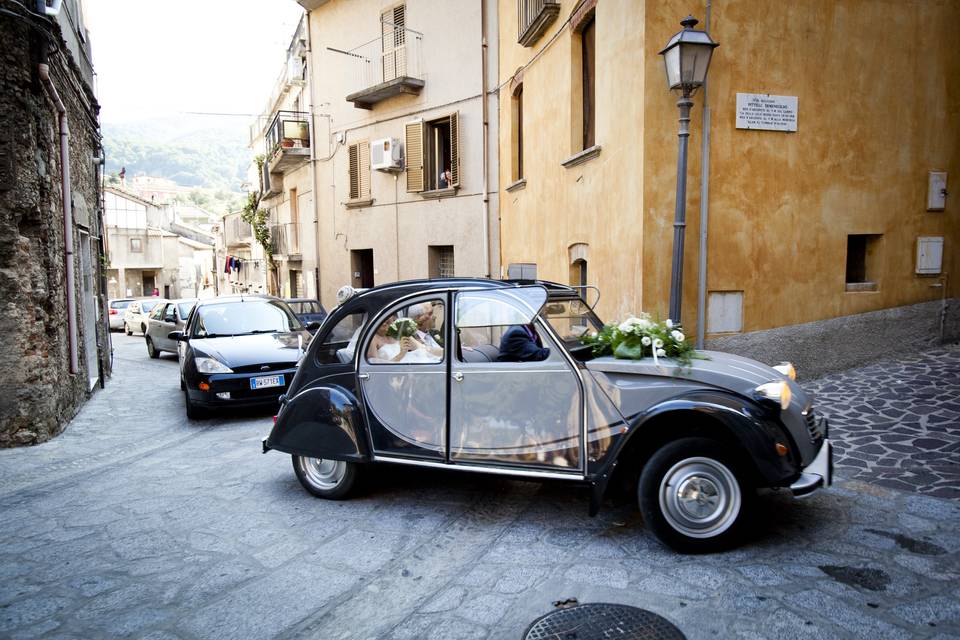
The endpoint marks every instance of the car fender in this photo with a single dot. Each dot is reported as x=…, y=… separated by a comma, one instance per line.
x=320, y=422
x=741, y=420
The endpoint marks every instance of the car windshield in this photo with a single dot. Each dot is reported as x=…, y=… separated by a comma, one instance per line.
x=185, y=308
x=244, y=318
x=146, y=305
x=120, y=304
x=570, y=319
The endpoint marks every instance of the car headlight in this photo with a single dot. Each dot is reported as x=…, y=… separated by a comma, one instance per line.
x=211, y=365
x=778, y=392
x=786, y=369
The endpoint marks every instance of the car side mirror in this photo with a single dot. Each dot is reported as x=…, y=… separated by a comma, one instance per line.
x=313, y=326
x=177, y=336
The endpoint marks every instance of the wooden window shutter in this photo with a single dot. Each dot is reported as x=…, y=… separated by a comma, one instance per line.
x=353, y=155
x=414, y=151
x=455, y=149
x=363, y=154
x=393, y=42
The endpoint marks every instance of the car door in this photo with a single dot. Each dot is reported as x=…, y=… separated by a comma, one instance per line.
x=512, y=413
x=405, y=399
x=166, y=320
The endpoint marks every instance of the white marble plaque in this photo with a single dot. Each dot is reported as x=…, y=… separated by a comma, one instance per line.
x=766, y=112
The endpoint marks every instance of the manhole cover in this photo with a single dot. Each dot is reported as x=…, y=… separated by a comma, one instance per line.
x=601, y=621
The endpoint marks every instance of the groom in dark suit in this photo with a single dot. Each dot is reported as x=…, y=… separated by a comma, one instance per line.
x=521, y=343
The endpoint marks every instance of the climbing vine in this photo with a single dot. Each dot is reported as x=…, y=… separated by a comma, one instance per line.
x=258, y=218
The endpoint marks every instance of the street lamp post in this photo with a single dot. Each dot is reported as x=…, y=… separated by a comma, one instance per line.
x=686, y=59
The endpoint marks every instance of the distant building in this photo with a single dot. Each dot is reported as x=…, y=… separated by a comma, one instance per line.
x=241, y=266
x=56, y=345
x=156, y=190
x=149, y=250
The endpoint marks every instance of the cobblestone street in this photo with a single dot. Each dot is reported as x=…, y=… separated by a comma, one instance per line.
x=138, y=523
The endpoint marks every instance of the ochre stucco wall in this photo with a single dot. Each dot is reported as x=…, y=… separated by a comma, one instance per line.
x=877, y=111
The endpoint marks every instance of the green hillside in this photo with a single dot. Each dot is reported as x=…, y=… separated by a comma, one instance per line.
x=208, y=153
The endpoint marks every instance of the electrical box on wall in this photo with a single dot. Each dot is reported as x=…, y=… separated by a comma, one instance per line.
x=929, y=255
x=937, y=191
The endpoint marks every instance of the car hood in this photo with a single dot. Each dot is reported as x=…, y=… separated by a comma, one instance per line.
x=241, y=351
x=717, y=369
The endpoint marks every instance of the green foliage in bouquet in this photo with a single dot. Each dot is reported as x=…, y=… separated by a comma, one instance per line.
x=402, y=328
x=637, y=338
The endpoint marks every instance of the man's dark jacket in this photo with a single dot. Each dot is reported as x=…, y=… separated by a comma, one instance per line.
x=517, y=345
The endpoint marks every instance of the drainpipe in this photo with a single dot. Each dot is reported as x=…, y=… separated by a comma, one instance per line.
x=44, y=71
x=704, y=207
x=486, y=139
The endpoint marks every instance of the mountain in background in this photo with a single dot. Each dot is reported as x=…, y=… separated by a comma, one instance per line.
x=206, y=152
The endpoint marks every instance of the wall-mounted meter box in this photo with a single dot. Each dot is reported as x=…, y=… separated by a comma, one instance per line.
x=929, y=255
x=937, y=191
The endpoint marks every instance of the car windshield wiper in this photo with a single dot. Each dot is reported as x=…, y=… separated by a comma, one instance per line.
x=256, y=331
x=216, y=335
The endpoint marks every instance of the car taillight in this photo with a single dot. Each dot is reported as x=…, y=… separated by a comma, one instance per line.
x=274, y=419
x=113, y=312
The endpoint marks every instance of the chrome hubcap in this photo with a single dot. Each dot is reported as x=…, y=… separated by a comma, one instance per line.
x=321, y=473
x=700, y=497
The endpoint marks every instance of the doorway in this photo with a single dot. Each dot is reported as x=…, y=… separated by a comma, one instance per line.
x=361, y=264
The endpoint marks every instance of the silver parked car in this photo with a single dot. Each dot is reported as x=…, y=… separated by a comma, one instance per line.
x=135, y=315
x=117, y=307
x=169, y=316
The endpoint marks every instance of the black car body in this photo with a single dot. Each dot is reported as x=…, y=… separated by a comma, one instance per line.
x=694, y=440
x=238, y=351
x=309, y=310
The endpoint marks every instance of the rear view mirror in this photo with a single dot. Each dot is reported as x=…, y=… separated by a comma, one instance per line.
x=176, y=336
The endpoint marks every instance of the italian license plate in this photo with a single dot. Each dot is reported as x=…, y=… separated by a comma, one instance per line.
x=265, y=382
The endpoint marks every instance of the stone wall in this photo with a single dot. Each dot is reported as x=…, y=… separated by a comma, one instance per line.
x=39, y=394
x=826, y=346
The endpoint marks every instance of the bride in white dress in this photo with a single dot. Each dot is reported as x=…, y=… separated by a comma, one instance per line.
x=383, y=348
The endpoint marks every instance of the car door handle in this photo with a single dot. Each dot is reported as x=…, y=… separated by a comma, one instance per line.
x=458, y=376
x=363, y=376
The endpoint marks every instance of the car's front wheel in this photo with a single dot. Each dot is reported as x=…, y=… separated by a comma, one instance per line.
x=143, y=328
x=152, y=350
x=330, y=479
x=193, y=411
x=694, y=496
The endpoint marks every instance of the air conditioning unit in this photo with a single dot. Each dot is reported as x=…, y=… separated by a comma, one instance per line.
x=386, y=154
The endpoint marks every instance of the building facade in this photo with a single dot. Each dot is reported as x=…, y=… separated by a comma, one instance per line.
x=404, y=109
x=819, y=242
x=282, y=138
x=56, y=342
x=150, y=249
x=240, y=260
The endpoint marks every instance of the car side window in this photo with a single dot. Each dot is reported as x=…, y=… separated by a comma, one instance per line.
x=411, y=334
x=340, y=343
x=169, y=315
x=155, y=314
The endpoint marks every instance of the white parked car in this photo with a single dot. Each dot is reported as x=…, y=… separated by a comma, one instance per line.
x=117, y=307
x=135, y=315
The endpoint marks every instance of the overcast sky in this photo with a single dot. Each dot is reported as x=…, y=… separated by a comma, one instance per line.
x=164, y=57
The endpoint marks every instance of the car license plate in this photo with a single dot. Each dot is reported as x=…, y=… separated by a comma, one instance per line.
x=265, y=382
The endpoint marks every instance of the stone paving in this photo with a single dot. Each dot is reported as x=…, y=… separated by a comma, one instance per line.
x=897, y=424
x=138, y=523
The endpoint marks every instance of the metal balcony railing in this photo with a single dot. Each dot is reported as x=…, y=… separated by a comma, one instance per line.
x=285, y=239
x=288, y=130
x=534, y=16
x=385, y=67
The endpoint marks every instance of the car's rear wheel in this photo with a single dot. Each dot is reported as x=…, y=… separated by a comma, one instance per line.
x=193, y=411
x=126, y=329
x=694, y=496
x=152, y=350
x=143, y=329
x=330, y=479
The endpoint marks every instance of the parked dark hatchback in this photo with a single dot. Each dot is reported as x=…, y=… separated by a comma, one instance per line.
x=238, y=351
x=694, y=442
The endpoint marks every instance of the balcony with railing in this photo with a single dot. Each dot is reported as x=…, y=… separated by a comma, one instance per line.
x=236, y=232
x=287, y=141
x=388, y=66
x=534, y=18
x=285, y=239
